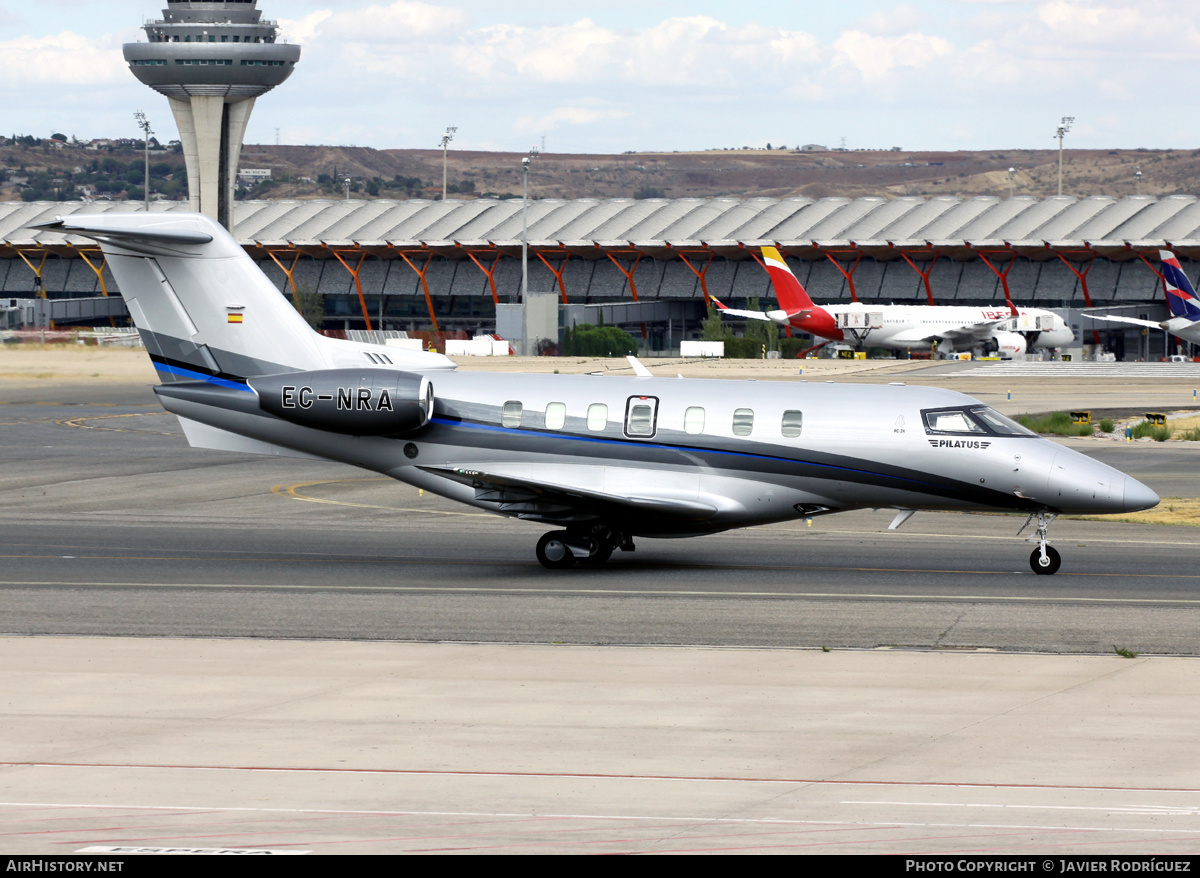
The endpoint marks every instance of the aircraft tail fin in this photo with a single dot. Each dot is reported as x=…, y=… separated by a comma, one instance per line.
x=1181, y=295
x=204, y=309
x=788, y=289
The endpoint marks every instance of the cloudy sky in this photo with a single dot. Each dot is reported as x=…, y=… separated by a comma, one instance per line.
x=652, y=74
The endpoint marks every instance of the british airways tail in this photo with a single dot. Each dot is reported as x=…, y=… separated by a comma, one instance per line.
x=204, y=309
x=1181, y=295
x=788, y=289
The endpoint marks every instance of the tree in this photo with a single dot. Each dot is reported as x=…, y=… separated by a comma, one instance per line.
x=310, y=304
x=713, y=327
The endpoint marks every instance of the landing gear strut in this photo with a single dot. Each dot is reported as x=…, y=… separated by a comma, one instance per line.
x=561, y=549
x=1045, y=559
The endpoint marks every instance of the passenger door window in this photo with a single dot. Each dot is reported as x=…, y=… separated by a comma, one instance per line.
x=640, y=416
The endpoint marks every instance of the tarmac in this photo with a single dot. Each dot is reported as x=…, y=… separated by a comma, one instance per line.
x=387, y=748
x=320, y=746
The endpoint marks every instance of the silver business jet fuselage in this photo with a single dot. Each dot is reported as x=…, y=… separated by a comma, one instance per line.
x=603, y=459
x=608, y=458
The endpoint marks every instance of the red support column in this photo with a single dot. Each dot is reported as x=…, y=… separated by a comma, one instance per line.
x=424, y=283
x=700, y=273
x=629, y=277
x=357, y=284
x=287, y=271
x=557, y=272
x=924, y=274
x=1003, y=275
x=98, y=270
x=490, y=272
x=1082, y=276
x=848, y=275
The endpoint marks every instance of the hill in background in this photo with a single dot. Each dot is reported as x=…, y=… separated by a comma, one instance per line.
x=45, y=172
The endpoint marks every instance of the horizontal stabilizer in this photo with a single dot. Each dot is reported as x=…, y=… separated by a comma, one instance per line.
x=1131, y=320
x=134, y=229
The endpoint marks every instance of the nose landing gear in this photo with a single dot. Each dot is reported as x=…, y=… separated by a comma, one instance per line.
x=1045, y=559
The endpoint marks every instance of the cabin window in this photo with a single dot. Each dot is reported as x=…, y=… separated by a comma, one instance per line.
x=597, y=418
x=793, y=421
x=693, y=420
x=556, y=415
x=510, y=416
x=639, y=416
x=743, y=422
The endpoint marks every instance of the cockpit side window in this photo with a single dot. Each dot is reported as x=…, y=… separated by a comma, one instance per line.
x=971, y=420
x=1000, y=424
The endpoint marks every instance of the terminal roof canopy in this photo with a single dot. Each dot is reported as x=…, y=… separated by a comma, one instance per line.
x=664, y=228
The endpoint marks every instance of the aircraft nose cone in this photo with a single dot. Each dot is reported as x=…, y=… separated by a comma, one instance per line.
x=1138, y=496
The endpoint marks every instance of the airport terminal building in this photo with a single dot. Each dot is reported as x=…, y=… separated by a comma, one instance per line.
x=419, y=264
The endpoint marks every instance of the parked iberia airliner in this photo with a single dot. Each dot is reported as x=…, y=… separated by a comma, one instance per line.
x=1012, y=332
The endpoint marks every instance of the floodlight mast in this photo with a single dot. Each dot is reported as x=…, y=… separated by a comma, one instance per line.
x=446, y=138
x=144, y=124
x=525, y=162
x=1067, y=121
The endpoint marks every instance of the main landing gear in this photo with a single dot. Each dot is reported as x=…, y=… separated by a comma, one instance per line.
x=561, y=549
x=1045, y=559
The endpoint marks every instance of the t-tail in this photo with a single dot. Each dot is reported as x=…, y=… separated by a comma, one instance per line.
x=205, y=310
x=1181, y=295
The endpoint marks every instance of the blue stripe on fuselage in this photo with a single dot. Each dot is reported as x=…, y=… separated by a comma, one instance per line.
x=677, y=448
x=200, y=376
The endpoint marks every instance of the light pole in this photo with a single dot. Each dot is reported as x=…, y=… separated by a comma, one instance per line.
x=1060, y=134
x=144, y=124
x=1012, y=174
x=346, y=182
x=446, y=138
x=1137, y=176
x=525, y=162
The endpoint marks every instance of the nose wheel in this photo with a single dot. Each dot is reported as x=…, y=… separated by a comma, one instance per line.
x=1045, y=559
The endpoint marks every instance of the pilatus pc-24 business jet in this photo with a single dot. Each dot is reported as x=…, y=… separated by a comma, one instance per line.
x=601, y=460
x=1011, y=332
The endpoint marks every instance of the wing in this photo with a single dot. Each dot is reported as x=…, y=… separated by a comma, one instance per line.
x=979, y=331
x=734, y=312
x=547, y=501
x=1135, y=321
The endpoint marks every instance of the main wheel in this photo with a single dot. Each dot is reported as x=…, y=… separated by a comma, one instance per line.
x=552, y=551
x=1045, y=566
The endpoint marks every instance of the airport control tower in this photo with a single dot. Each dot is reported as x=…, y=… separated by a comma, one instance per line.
x=211, y=60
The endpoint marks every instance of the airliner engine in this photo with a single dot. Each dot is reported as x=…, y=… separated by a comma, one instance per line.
x=1010, y=344
x=357, y=402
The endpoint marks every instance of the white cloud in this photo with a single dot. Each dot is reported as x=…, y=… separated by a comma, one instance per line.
x=64, y=59
x=879, y=58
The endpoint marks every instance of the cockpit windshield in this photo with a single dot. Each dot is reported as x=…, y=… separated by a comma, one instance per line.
x=971, y=420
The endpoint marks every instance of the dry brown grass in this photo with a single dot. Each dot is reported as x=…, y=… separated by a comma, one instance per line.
x=1183, y=511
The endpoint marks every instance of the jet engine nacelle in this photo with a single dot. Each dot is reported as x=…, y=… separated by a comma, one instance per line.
x=358, y=402
x=1010, y=344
